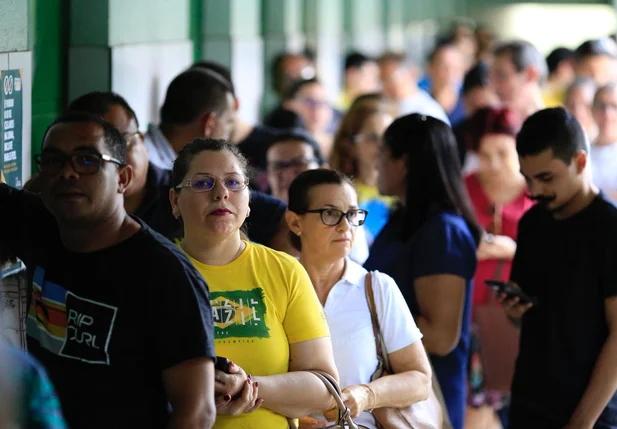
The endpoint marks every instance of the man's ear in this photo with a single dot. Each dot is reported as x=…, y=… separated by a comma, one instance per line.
x=293, y=222
x=209, y=124
x=532, y=74
x=580, y=159
x=125, y=175
x=236, y=104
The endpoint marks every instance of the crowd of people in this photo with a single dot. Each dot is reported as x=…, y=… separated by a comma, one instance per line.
x=196, y=274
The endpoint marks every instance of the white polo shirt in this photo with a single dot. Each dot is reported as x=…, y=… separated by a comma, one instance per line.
x=349, y=319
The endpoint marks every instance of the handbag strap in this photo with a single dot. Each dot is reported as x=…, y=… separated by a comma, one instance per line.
x=343, y=418
x=370, y=299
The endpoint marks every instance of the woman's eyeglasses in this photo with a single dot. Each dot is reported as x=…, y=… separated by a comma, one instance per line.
x=205, y=182
x=332, y=217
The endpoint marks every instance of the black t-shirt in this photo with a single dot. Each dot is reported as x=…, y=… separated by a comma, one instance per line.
x=570, y=266
x=157, y=182
x=106, y=324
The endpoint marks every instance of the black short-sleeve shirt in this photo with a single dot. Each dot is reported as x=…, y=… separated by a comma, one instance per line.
x=570, y=267
x=106, y=324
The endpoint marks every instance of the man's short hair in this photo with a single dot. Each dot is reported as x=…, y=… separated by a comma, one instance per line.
x=595, y=48
x=296, y=86
x=447, y=41
x=100, y=103
x=391, y=57
x=522, y=55
x=555, y=129
x=356, y=60
x=556, y=57
x=192, y=93
x=476, y=77
x=219, y=68
x=113, y=139
x=298, y=135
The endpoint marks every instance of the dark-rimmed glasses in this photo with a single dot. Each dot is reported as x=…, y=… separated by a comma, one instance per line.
x=81, y=162
x=130, y=138
x=205, y=182
x=332, y=217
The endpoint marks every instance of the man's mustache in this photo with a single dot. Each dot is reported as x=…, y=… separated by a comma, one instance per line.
x=543, y=199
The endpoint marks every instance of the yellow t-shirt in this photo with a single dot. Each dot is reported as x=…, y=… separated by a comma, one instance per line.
x=261, y=302
x=368, y=193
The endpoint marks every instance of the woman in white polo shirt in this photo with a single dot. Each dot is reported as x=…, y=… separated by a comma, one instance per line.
x=323, y=216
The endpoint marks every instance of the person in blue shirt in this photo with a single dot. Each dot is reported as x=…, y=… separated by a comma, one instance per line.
x=429, y=245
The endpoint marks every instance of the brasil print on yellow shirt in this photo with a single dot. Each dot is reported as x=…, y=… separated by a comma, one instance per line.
x=262, y=302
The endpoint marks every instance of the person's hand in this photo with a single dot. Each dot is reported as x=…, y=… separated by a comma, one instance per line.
x=229, y=384
x=247, y=402
x=357, y=398
x=500, y=247
x=310, y=423
x=512, y=306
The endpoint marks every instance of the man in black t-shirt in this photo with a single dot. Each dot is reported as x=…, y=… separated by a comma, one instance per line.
x=565, y=374
x=118, y=315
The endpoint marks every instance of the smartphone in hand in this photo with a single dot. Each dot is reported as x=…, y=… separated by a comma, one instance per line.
x=510, y=291
x=222, y=364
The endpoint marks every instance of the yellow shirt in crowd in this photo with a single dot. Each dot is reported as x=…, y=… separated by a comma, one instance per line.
x=261, y=302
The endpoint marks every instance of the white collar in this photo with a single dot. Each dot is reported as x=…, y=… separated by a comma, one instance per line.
x=354, y=273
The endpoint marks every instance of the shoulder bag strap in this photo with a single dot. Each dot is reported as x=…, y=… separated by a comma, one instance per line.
x=370, y=299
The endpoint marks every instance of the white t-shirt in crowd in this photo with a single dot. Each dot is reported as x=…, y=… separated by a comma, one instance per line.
x=604, y=167
x=421, y=102
x=349, y=319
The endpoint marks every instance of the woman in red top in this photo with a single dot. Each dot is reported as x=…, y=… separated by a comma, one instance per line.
x=497, y=192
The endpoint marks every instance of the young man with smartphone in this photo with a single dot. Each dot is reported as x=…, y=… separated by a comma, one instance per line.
x=565, y=374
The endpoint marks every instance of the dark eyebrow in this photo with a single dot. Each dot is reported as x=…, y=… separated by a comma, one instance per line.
x=543, y=175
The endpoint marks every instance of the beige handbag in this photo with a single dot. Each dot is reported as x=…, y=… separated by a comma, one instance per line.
x=428, y=414
x=343, y=420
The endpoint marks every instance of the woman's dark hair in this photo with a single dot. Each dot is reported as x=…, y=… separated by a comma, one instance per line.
x=283, y=119
x=296, y=86
x=491, y=120
x=299, y=198
x=182, y=164
x=434, y=181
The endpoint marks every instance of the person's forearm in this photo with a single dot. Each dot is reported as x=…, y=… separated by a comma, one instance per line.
x=192, y=420
x=294, y=394
x=400, y=390
x=601, y=387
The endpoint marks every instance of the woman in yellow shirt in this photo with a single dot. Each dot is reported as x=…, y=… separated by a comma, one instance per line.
x=267, y=318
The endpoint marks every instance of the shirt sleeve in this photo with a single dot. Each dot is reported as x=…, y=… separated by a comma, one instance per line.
x=184, y=315
x=266, y=215
x=397, y=325
x=444, y=247
x=305, y=318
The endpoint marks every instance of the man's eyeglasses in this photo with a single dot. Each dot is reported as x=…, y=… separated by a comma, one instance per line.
x=205, y=182
x=295, y=164
x=313, y=103
x=81, y=162
x=332, y=217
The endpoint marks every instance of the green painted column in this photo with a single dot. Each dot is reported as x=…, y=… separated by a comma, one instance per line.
x=16, y=38
x=132, y=47
x=231, y=34
x=49, y=60
x=363, y=20
x=323, y=26
x=282, y=32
